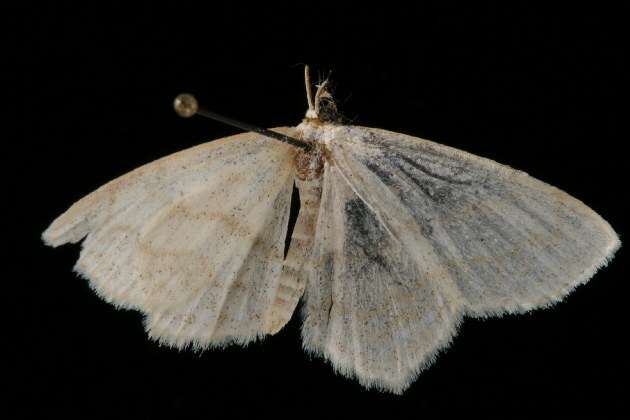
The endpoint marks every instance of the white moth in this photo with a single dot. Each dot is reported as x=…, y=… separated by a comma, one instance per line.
x=397, y=239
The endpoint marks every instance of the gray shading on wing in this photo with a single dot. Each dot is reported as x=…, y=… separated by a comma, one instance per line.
x=370, y=307
x=511, y=242
x=413, y=234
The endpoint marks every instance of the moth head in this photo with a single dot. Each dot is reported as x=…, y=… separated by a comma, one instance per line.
x=321, y=107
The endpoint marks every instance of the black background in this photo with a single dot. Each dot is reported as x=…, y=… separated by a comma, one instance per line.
x=537, y=89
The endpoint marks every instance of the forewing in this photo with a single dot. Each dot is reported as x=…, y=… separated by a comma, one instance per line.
x=195, y=240
x=510, y=242
x=412, y=235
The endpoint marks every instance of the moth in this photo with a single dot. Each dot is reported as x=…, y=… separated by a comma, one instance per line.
x=397, y=239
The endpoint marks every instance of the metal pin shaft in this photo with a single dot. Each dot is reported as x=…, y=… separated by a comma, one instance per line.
x=186, y=106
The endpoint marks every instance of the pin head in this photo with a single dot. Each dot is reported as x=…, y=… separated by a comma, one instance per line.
x=185, y=105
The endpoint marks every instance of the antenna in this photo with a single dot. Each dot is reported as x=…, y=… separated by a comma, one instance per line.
x=186, y=106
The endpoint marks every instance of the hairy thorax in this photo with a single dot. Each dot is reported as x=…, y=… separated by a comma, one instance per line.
x=310, y=163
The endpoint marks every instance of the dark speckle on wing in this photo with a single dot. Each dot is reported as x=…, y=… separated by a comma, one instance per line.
x=365, y=232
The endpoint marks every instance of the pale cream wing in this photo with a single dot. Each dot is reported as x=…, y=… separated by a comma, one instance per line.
x=511, y=243
x=376, y=308
x=412, y=235
x=195, y=240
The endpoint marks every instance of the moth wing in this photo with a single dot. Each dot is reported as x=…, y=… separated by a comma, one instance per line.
x=412, y=235
x=370, y=307
x=511, y=243
x=195, y=240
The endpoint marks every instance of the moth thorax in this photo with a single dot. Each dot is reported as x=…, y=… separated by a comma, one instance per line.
x=309, y=163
